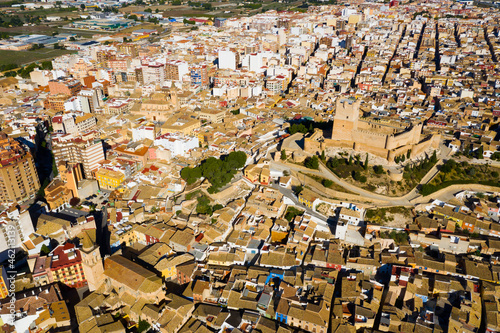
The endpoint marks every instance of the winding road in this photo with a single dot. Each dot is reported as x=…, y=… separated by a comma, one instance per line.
x=409, y=199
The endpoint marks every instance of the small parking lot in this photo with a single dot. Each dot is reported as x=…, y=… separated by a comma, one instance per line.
x=98, y=199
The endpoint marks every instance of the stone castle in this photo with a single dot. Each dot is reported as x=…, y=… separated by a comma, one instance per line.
x=384, y=138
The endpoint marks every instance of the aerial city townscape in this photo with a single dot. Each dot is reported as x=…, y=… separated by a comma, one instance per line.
x=261, y=166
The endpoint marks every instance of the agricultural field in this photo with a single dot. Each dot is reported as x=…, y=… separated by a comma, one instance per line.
x=218, y=9
x=25, y=57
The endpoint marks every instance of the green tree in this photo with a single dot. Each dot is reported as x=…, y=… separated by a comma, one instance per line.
x=323, y=156
x=203, y=206
x=190, y=175
x=349, y=162
x=365, y=165
x=312, y=162
x=82, y=7
x=217, y=207
x=236, y=159
x=378, y=169
x=219, y=172
x=408, y=153
x=448, y=166
x=16, y=21
x=298, y=189
x=143, y=326
x=333, y=163
x=434, y=157
x=291, y=212
x=283, y=155
x=480, y=152
x=297, y=128
x=46, y=65
x=45, y=250
x=327, y=182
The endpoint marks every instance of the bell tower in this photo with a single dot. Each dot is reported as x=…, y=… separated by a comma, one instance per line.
x=91, y=259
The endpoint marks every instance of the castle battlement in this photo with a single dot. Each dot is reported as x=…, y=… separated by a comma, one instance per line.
x=363, y=131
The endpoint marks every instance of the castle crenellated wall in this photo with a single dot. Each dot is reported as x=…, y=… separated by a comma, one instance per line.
x=408, y=137
x=370, y=138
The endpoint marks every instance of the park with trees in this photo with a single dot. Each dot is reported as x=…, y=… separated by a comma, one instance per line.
x=219, y=172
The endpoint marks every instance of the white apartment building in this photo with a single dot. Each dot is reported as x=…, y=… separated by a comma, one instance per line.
x=88, y=152
x=69, y=125
x=227, y=60
x=73, y=104
x=86, y=123
x=177, y=144
x=16, y=226
x=89, y=100
x=146, y=131
x=153, y=73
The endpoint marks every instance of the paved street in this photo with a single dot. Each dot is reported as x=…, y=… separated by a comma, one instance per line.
x=290, y=195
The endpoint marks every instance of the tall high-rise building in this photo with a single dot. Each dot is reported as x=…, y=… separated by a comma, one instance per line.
x=153, y=73
x=89, y=99
x=175, y=70
x=18, y=176
x=199, y=75
x=87, y=151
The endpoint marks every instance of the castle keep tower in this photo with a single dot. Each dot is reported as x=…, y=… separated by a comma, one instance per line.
x=346, y=119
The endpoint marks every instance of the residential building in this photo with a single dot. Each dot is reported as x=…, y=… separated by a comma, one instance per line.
x=83, y=149
x=65, y=85
x=66, y=266
x=18, y=175
x=109, y=179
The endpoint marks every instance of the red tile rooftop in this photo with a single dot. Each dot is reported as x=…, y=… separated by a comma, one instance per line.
x=65, y=256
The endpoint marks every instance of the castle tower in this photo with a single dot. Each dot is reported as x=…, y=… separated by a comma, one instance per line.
x=346, y=118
